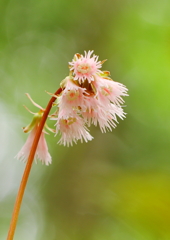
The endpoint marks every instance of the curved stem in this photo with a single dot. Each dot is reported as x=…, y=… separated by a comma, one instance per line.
x=28, y=168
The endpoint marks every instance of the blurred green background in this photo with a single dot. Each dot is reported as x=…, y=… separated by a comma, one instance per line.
x=116, y=187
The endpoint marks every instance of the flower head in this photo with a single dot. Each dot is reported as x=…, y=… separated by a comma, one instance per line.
x=89, y=96
x=85, y=67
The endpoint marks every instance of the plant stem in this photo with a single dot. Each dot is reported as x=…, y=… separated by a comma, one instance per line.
x=28, y=168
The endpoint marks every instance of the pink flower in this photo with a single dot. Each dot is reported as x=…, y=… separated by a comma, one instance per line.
x=85, y=67
x=72, y=129
x=73, y=97
x=42, y=150
x=41, y=153
x=106, y=116
x=108, y=90
x=89, y=96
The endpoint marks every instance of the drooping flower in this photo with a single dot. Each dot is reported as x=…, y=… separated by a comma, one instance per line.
x=72, y=129
x=104, y=116
x=108, y=90
x=41, y=153
x=72, y=97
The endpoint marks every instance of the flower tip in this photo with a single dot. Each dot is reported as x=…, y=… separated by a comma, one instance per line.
x=25, y=129
x=89, y=53
x=103, y=61
x=78, y=55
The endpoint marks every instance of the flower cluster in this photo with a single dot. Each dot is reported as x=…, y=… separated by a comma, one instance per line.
x=88, y=96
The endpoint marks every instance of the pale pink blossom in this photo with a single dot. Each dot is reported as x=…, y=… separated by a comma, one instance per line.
x=105, y=117
x=89, y=96
x=73, y=97
x=85, y=67
x=41, y=153
x=108, y=90
x=72, y=129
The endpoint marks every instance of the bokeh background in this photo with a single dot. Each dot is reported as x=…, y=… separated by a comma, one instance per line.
x=116, y=187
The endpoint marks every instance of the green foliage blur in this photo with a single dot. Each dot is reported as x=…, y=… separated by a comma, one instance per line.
x=116, y=187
